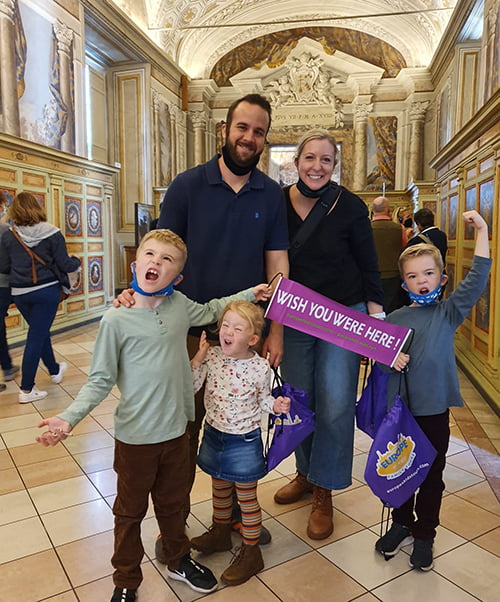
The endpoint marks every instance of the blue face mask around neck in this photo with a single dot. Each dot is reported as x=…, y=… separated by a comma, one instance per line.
x=427, y=299
x=167, y=291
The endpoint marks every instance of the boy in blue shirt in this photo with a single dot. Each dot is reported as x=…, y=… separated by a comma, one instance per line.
x=432, y=378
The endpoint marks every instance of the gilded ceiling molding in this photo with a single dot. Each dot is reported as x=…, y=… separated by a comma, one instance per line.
x=273, y=49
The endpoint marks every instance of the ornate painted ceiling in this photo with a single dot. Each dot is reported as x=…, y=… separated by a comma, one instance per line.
x=199, y=34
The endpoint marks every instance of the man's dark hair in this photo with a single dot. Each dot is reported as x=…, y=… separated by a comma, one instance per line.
x=253, y=99
x=424, y=218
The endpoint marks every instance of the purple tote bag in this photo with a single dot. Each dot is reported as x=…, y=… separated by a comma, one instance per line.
x=289, y=429
x=400, y=457
x=372, y=404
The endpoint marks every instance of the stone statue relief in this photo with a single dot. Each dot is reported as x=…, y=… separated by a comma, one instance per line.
x=305, y=81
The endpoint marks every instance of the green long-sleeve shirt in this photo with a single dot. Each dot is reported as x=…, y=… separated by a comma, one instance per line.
x=143, y=352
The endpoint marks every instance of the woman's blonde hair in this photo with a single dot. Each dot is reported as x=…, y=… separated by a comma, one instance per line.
x=252, y=313
x=167, y=237
x=26, y=210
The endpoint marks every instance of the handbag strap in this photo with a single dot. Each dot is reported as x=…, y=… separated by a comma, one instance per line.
x=368, y=365
x=277, y=383
x=31, y=253
x=402, y=375
x=425, y=238
x=324, y=205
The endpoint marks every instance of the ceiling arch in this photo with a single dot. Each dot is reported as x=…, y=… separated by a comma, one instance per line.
x=196, y=34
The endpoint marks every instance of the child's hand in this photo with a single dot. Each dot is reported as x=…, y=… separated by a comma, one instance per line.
x=281, y=405
x=474, y=219
x=401, y=362
x=125, y=298
x=262, y=292
x=58, y=431
x=203, y=347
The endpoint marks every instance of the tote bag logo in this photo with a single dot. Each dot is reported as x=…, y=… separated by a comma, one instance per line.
x=288, y=420
x=398, y=457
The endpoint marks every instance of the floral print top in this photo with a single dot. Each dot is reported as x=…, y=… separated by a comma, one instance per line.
x=236, y=391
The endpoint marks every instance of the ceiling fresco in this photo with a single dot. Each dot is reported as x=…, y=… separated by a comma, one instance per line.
x=199, y=35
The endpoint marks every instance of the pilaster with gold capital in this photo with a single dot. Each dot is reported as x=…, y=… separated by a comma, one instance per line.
x=8, y=77
x=199, y=120
x=361, y=112
x=64, y=36
x=416, y=114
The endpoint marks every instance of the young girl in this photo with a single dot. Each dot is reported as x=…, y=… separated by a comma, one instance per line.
x=238, y=388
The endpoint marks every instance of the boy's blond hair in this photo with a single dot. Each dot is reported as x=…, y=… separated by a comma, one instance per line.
x=419, y=251
x=252, y=313
x=166, y=237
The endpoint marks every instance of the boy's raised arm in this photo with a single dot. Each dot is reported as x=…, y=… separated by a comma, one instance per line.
x=482, y=247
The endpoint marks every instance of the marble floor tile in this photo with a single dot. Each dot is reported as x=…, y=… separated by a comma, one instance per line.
x=56, y=522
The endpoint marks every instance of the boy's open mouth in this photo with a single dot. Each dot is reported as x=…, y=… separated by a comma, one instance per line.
x=151, y=275
x=424, y=291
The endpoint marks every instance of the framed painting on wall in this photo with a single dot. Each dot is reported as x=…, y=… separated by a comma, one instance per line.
x=144, y=214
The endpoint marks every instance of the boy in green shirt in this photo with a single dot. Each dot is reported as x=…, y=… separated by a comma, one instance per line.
x=142, y=350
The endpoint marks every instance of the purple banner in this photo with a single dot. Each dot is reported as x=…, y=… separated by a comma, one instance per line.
x=299, y=307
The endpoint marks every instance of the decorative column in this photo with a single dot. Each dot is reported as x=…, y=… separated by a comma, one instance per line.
x=417, y=116
x=361, y=112
x=9, y=105
x=156, y=138
x=64, y=37
x=199, y=120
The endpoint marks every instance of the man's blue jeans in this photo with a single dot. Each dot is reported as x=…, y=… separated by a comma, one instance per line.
x=329, y=374
x=5, y=301
x=39, y=309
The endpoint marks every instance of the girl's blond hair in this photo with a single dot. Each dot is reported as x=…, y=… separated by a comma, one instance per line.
x=252, y=313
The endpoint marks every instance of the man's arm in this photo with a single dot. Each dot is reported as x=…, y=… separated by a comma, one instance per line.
x=276, y=261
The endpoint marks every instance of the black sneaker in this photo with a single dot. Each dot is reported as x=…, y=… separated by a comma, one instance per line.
x=198, y=577
x=396, y=538
x=421, y=557
x=124, y=594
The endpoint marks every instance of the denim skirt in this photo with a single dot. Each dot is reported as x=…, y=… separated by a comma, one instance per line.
x=235, y=458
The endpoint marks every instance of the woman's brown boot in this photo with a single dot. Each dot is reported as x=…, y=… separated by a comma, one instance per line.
x=293, y=491
x=320, y=524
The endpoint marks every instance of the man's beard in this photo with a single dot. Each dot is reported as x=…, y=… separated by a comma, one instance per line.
x=235, y=163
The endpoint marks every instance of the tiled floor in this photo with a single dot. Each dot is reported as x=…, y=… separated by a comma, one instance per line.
x=56, y=523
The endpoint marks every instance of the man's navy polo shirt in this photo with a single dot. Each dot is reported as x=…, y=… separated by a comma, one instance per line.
x=226, y=233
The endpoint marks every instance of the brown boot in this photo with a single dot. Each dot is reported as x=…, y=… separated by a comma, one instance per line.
x=246, y=564
x=216, y=539
x=293, y=491
x=320, y=523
